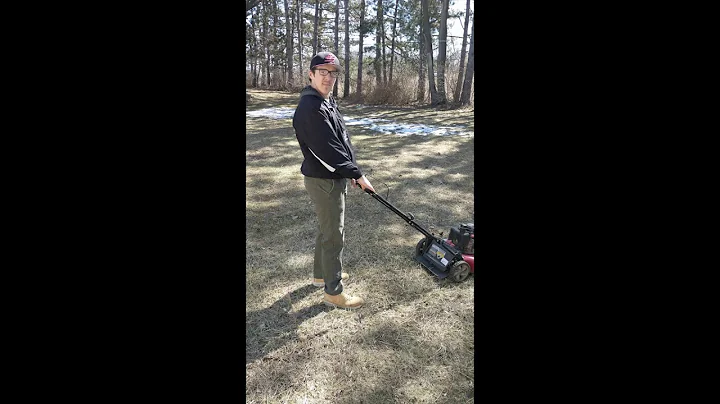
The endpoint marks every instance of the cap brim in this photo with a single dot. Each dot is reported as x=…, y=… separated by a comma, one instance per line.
x=340, y=69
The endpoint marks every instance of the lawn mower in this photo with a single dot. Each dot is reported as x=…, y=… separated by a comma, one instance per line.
x=453, y=257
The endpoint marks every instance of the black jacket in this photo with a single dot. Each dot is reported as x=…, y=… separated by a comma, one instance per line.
x=323, y=139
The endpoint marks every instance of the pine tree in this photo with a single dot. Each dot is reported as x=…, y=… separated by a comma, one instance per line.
x=461, y=68
x=442, y=50
x=362, y=29
x=470, y=71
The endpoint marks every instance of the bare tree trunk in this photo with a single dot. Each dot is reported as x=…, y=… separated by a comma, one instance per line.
x=442, y=52
x=254, y=53
x=276, y=41
x=250, y=4
x=252, y=73
x=256, y=84
x=315, y=33
x=267, y=68
x=253, y=49
x=300, y=38
x=288, y=46
x=346, y=84
x=292, y=36
x=421, y=74
x=378, y=38
x=266, y=40
x=429, y=52
x=360, y=51
x=256, y=29
x=260, y=43
x=470, y=71
x=384, y=65
x=458, y=85
x=337, y=52
x=392, y=47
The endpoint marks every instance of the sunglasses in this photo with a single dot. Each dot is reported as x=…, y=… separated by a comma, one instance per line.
x=324, y=72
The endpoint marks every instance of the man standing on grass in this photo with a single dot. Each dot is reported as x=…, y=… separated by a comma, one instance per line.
x=329, y=162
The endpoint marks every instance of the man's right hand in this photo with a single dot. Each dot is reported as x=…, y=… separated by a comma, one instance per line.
x=365, y=184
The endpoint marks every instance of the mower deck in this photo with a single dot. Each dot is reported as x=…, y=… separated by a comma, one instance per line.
x=427, y=264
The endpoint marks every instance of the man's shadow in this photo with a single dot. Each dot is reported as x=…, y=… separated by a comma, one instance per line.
x=264, y=328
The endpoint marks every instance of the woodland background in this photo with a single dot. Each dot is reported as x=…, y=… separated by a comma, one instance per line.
x=394, y=52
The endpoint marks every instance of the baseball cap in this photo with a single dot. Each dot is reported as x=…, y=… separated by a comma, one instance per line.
x=325, y=58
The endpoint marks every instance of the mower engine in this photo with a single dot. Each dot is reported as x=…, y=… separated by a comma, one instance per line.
x=463, y=237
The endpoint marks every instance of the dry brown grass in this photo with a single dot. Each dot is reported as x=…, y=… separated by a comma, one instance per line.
x=413, y=340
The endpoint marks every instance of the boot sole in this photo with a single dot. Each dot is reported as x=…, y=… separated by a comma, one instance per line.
x=340, y=307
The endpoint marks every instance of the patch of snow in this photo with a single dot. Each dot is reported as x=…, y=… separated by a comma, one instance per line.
x=383, y=126
x=406, y=129
x=275, y=113
x=350, y=121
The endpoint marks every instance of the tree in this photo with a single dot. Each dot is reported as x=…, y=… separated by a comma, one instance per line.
x=346, y=84
x=337, y=51
x=461, y=69
x=421, y=75
x=378, y=44
x=360, y=52
x=316, y=45
x=442, y=50
x=382, y=35
x=427, y=38
x=266, y=40
x=392, y=46
x=470, y=71
x=250, y=4
x=300, y=38
x=252, y=52
x=288, y=46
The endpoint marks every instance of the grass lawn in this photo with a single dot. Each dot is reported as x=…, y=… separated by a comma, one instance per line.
x=413, y=339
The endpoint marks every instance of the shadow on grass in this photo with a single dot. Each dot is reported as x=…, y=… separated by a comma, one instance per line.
x=265, y=328
x=435, y=174
x=443, y=372
x=425, y=356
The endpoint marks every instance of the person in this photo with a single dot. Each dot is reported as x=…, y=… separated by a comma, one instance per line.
x=329, y=161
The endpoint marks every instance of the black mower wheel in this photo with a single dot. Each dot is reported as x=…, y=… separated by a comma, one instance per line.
x=459, y=271
x=420, y=247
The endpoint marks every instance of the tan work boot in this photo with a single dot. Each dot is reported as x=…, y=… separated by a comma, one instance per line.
x=343, y=300
x=319, y=282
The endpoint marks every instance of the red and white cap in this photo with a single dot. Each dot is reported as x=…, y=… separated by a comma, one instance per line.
x=325, y=58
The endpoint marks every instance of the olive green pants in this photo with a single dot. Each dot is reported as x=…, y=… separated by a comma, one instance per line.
x=328, y=196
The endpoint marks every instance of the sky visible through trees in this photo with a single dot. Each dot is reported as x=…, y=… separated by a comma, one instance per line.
x=455, y=28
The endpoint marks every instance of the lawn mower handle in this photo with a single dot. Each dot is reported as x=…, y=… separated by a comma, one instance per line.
x=409, y=218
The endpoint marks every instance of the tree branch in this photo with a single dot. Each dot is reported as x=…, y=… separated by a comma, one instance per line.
x=250, y=4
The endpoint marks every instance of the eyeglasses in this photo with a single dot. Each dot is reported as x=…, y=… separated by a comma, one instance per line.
x=324, y=72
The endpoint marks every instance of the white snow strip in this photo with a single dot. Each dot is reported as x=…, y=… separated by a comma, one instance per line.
x=275, y=113
x=383, y=126
x=362, y=121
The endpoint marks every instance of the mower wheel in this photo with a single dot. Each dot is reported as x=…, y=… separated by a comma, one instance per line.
x=459, y=271
x=420, y=247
